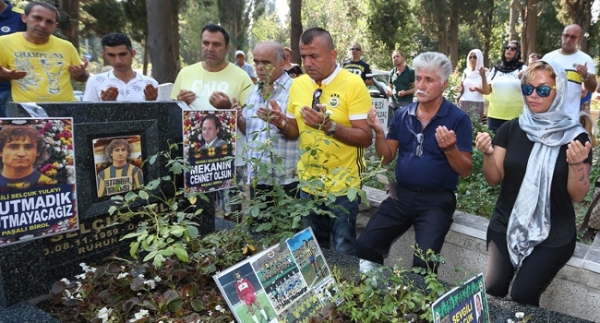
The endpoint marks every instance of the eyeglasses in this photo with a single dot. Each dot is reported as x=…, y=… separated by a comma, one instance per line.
x=569, y=36
x=542, y=90
x=355, y=49
x=420, y=138
x=513, y=48
x=472, y=57
x=315, y=100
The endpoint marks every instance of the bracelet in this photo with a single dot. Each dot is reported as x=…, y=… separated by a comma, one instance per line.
x=587, y=77
x=284, y=127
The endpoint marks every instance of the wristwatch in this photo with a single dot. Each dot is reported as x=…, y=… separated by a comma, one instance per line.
x=331, y=131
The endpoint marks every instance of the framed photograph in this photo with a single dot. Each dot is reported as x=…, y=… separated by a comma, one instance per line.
x=209, y=139
x=118, y=164
x=37, y=184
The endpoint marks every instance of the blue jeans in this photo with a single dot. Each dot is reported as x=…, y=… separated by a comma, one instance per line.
x=5, y=97
x=342, y=227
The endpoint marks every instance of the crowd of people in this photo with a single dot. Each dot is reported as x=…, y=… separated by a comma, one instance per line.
x=536, y=150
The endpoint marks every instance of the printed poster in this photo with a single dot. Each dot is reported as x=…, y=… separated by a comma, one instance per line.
x=209, y=139
x=463, y=304
x=118, y=162
x=37, y=183
x=285, y=283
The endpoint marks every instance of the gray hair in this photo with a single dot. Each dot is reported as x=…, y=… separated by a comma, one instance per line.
x=433, y=61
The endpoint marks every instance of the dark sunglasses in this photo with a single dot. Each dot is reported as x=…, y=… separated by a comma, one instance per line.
x=513, y=48
x=542, y=90
x=315, y=100
x=420, y=138
x=355, y=49
x=472, y=57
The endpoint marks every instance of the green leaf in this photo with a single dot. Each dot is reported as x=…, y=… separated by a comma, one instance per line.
x=131, y=235
x=151, y=255
x=112, y=209
x=197, y=305
x=192, y=232
x=177, y=231
x=133, y=248
x=158, y=260
x=181, y=254
x=351, y=194
x=153, y=159
x=144, y=195
x=175, y=306
x=166, y=252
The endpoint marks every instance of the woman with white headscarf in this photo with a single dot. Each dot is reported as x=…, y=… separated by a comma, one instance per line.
x=542, y=159
x=474, y=80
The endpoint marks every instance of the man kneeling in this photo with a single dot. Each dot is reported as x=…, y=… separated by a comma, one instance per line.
x=433, y=140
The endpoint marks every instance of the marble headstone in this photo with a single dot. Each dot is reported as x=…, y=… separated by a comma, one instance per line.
x=28, y=270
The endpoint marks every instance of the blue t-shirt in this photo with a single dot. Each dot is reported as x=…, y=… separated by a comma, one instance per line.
x=431, y=171
x=10, y=22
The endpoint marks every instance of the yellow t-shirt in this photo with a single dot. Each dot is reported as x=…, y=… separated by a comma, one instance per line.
x=336, y=164
x=47, y=66
x=232, y=81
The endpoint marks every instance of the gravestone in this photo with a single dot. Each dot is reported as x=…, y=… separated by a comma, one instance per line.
x=28, y=270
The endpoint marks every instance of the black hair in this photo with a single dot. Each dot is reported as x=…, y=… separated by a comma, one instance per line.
x=214, y=28
x=308, y=36
x=116, y=39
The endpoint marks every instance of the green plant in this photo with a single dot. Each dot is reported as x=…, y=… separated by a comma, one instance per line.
x=389, y=294
x=166, y=220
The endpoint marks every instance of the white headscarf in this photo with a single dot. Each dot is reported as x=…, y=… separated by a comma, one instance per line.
x=529, y=222
x=474, y=73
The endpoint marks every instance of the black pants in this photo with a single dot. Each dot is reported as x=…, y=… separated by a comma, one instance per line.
x=536, y=273
x=429, y=212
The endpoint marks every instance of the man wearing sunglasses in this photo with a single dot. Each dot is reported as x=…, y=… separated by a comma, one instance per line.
x=357, y=66
x=433, y=141
x=327, y=112
x=578, y=65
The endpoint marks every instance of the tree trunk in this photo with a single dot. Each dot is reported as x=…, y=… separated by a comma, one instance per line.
x=71, y=7
x=161, y=43
x=296, y=29
x=512, y=21
x=530, y=27
x=442, y=38
x=453, y=39
x=487, y=32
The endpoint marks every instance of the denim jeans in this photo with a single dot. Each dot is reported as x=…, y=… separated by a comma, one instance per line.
x=341, y=229
x=5, y=97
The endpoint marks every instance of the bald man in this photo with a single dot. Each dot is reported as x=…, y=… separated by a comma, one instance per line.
x=578, y=65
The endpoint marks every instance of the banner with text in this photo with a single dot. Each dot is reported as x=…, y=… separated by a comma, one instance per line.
x=463, y=304
x=209, y=139
x=37, y=183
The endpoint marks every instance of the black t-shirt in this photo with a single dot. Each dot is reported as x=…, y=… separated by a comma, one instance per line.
x=518, y=148
x=360, y=68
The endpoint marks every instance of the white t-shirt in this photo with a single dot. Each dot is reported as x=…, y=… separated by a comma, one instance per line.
x=469, y=95
x=574, y=80
x=132, y=91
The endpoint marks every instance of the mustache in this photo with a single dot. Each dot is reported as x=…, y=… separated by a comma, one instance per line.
x=417, y=92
